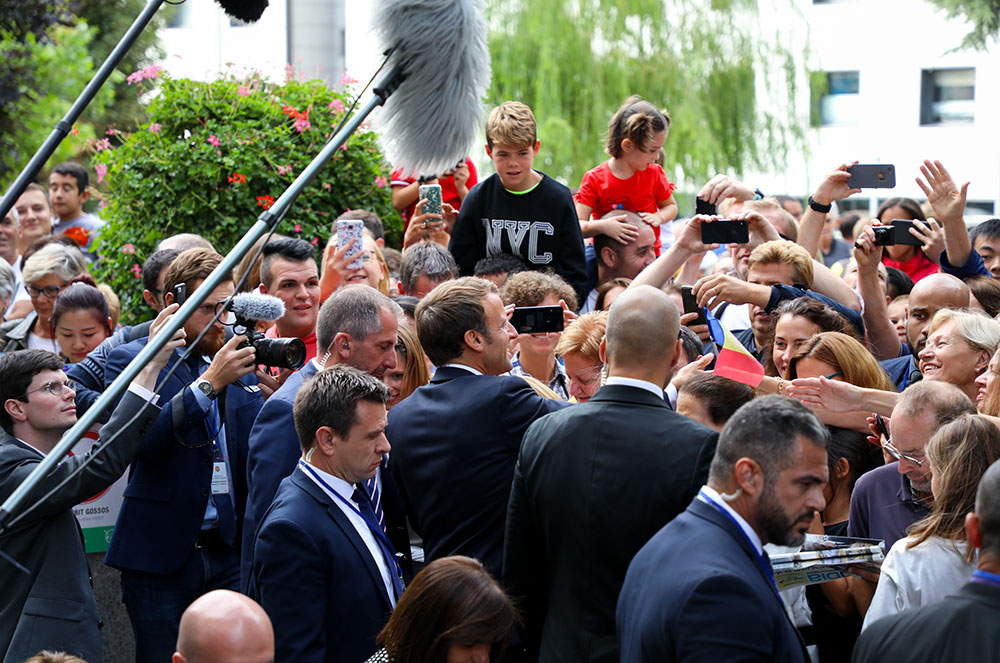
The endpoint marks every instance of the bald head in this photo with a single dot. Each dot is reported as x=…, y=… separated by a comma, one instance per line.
x=224, y=627
x=642, y=333
x=929, y=295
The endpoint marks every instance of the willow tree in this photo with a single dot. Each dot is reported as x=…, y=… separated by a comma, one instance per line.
x=729, y=84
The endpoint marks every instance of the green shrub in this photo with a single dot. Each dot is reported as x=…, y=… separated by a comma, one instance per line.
x=214, y=155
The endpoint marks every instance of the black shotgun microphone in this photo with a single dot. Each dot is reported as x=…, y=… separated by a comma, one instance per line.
x=433, y=118
x=247, y=11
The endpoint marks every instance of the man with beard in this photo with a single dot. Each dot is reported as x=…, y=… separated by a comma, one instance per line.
x=887, y=500
x=178, y=533
x=702, y=589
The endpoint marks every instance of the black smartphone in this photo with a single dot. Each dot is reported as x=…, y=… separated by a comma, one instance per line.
x=691, y=306
x=871, y=176
x=537, y=319
x=881, y=427
x=180, y=294
x=725, y=231
x=704, y=207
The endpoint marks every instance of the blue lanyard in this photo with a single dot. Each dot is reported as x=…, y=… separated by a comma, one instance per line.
x=986, y=578
x=760, y=558
x=374, y=528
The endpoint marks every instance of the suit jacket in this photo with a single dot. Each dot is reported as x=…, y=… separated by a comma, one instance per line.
x=592, y=484
x=273, y=451
x=169, y=485
x=53, y=607
x=316, y=579
x=454, y=447
x=960, y=627
x=696, y=592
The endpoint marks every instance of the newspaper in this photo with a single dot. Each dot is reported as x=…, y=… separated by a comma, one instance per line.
x=824, y=558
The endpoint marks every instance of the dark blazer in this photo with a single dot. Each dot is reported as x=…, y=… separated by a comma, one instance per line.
x=273, y=451
x=316, y=579
x=454, y=447
x=53, y=607
x=593, y=483
x=960, y=627
x=696, y=592
x=164, y=502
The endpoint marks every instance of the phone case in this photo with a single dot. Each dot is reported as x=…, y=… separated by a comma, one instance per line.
x=725, y=231
x=872, y=176
x=346, y=231
x=432, y=192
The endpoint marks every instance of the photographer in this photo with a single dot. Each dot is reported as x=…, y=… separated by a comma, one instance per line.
x=178, y=533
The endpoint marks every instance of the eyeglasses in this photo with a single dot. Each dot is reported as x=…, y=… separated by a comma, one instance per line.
x=367, y=257
x=898, y=455
x=54, y=388
x=50, y=291
x=213, y=309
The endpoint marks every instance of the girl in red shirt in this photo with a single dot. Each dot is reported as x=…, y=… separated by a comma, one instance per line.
x=906, y=257
x=629, y=180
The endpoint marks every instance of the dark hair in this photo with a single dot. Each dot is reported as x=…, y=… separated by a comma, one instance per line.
x=43, y=241
x=721, y=397
x=816, y=312
x=292, y=250
x=530, y=288
x=608, y=286
x=453, y=600
x=988, y=229
x=986, y=290
x=191, y=267
x=154, y=266
x=911, y=207
x=35, y=186
x=393, y=259
x=408, y=304
x=75, y=170
x=81, y=296
x=447, y=312
x=897, y=282
x=370, y=220
x=17, y=370
x=503, y=263
x=636, y=120
x=330, y=398
x=854, y=447
x=749, y=433
x=247, y=273
x=847, y=221
x=691, y=345
x=603, y=241
x=428, y=259
x=783, y=198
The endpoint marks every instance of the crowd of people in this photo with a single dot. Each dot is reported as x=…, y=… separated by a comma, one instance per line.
x=436, y=485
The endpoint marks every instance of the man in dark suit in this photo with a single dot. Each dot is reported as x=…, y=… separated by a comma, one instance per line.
x=356, y=327
x=52, y=606
x=322, y=567
x=959, y=627
x=703, y=589
x=631, y=465
x=178, y=533
x=456, y=439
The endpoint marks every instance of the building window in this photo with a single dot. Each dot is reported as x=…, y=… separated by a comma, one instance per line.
x=947, y=96
x=836, y=98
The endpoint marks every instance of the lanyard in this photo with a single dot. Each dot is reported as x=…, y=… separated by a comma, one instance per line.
x=760, y=558
x=986, y=578
x=374, y=528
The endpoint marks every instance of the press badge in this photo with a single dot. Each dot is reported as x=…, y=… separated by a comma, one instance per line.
x=220, y=480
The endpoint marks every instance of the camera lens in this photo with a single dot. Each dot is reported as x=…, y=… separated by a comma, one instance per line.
x=280, y=352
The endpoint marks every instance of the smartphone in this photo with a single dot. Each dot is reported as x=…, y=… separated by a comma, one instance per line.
x=691, y=306
x=432, y=192
x=725, y=231
x=896, y=233
x=347, y=230
x=881, y=427
x=180, y=294
x=704, y=207
x=537, y=319
x=871, y=176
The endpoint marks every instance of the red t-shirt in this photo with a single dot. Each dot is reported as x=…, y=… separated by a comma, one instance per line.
x=916, y=267
x=643, y=192
x=449, y=194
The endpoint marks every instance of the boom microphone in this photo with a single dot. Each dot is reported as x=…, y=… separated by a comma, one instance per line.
x=247, y=11
x=251, y=306
x=432, y=120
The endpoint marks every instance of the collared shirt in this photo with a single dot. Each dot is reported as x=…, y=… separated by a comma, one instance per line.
x=634, y=382
x=346, y=491
x=464, y=367
x=715, y=498
x=589, y=303
x=883, y=505
x=559, y=382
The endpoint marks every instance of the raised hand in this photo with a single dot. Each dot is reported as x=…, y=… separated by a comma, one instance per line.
x=946, y=199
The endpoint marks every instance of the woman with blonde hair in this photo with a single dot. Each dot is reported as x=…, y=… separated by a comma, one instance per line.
x=579, y=348
x=935, y=559
x=334, y=271
x=411, y=367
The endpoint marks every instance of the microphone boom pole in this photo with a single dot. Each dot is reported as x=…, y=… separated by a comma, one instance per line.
x=269, y=218
x=62, y=128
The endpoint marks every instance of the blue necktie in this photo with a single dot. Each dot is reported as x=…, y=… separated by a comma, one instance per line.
x=226, y=514
x=364, y=503
x=376, y=497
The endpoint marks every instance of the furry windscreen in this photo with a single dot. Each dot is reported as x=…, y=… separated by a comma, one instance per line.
x=247, y=11
x=251, y=306
x=432, y=121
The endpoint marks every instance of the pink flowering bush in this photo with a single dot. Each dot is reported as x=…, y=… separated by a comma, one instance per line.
x=214, y=155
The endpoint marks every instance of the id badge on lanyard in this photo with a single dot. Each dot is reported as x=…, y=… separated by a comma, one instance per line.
x=220, y=479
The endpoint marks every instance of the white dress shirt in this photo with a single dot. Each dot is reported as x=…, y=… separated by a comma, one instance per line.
x=635, y=382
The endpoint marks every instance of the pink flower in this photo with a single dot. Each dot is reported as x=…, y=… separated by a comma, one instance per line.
x=102, y=144
x=336, y=105
x=128, y=248
x=134, y=77
x=327, y=186
x=380, y=182
x=137, y=270
x=297, y=228
x=346, y=79
x=152, y=71
x=212, y=140
x=302, y=124
x=243, y=91
x=155, y=127
x=315, y=241
x=101, y=171
x=111, y=131
x=284, y=169
x=103, y=204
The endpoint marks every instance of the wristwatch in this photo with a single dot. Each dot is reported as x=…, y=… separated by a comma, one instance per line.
x=819, y=207
x=205, y=387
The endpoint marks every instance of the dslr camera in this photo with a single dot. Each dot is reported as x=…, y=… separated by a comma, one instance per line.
x=272, y=352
